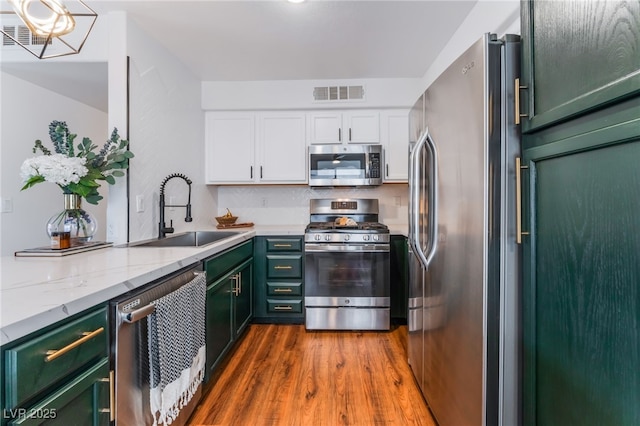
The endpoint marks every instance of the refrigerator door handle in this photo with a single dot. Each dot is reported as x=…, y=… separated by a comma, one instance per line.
x=433, y=200
x=414, y=225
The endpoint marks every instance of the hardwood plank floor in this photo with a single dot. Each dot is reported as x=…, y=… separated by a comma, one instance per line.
x=285, y=375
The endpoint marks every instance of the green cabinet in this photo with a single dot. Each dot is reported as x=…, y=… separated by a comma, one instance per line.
x=279, y=279
x=59, y=375
x=581, y=194
x=577, y=57
x=399, y=276
x=229, y=300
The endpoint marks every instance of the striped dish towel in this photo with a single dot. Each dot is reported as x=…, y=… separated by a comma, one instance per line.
x=177, y=349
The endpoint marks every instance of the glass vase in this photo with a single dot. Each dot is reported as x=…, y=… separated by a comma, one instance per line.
x=81, y=224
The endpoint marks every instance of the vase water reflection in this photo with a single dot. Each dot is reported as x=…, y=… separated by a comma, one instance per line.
x=74, y=219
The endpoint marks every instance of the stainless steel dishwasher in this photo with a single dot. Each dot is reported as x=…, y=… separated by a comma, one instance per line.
x=130, y=354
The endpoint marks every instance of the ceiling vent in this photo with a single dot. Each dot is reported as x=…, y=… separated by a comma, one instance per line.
x=338, y=93
x=23, y=35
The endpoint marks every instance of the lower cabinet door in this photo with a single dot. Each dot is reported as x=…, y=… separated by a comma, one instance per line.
x=83, y=401
x=243, y=299
x=218, y=320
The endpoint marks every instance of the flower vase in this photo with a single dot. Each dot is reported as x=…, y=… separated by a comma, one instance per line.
x=79, y=223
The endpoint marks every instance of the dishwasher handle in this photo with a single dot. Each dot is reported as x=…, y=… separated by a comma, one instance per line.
x=138, y=314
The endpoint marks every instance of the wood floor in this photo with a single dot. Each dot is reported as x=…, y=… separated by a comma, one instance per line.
x=284, y=375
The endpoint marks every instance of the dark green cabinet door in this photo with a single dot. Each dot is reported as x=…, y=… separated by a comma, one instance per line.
x=577, y=56
x=399, y=271
x=82, y=402
x=582, y=281
x=243, y=299
x=219, y=328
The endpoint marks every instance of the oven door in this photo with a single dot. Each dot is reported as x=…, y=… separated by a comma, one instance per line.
x=349, y=275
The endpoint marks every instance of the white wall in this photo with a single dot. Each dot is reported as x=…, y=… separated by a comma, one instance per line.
x=167, y=136
x=27, y=110
x=298, y=94
x=487, y=16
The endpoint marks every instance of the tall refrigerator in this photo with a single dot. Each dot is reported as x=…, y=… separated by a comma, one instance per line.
x=464, y=265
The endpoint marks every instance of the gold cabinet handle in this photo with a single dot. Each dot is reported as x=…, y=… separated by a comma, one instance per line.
x=519, y=232
x=516, y=102
x=283, y=308
x=282, y=290
x=53, y=354
x=283, y=267
x=282, y=245
x=112, y=396
x=236, y=286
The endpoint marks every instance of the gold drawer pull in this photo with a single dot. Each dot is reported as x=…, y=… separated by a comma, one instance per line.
x=53, y=354
x=282, y=245
x=283, y=308
x=283, y=267
x=282, y=290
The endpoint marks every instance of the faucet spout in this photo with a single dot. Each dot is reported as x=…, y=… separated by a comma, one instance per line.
x=163, y=229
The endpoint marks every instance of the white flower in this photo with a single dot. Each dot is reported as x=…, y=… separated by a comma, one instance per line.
x=56, y=168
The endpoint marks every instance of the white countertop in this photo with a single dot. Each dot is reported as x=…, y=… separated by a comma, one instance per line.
x=38, y=291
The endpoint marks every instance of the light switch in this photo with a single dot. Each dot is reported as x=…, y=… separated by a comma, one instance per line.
x=139, y=203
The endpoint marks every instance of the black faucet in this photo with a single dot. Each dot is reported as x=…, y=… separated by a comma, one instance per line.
x=163, y=229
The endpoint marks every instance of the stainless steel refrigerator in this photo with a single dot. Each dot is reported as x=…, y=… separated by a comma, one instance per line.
x=464, y=312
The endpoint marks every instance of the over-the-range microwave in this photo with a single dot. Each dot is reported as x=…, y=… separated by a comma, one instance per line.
x=345, y=165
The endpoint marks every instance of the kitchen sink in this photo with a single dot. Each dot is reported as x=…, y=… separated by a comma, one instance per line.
x=187, y=239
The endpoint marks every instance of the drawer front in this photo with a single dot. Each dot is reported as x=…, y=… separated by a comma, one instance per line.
x=219, y=265
x=284, y=306
x=284, y=244
x=284, y=266
x=284, y=289
x=83, y=401
x=33, y=365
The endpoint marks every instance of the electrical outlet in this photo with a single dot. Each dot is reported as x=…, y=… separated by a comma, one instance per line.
x=398, y=200
x=7, y=205
x=172, y=202
x=139, y=203
x=263, y=202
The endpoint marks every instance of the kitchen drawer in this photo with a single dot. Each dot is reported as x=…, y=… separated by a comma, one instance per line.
x=83, y=401
x=219, y=265
x=27, y=370
x=284, y=306
x=284, y=288
x=284, y=266
x=284, y=244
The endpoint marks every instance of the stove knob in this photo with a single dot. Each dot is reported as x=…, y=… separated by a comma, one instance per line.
x=365, y=237
x=318, y=237
x=347, y=237
x=327, y=237
x=376, y=238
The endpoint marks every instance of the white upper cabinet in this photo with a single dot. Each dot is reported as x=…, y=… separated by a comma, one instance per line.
x=254, y=148
x=229, y=148
x=339, y=127
x=394, y=129
x=282, y=151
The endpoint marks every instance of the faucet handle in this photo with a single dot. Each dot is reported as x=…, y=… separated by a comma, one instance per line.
x=170, y=229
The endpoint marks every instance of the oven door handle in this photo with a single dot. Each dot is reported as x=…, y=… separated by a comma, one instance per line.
x=341, y=248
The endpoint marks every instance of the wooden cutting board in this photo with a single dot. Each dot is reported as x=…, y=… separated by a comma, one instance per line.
x=235, y=225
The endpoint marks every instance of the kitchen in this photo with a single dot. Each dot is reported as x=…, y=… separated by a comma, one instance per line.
x=158, y=84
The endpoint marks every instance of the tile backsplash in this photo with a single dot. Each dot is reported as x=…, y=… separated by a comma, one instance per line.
x=289, y=204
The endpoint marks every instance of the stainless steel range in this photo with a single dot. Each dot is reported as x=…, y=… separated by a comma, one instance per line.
x=347, y=284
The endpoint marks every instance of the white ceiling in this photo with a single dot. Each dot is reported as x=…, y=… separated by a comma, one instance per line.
x=238, y=40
